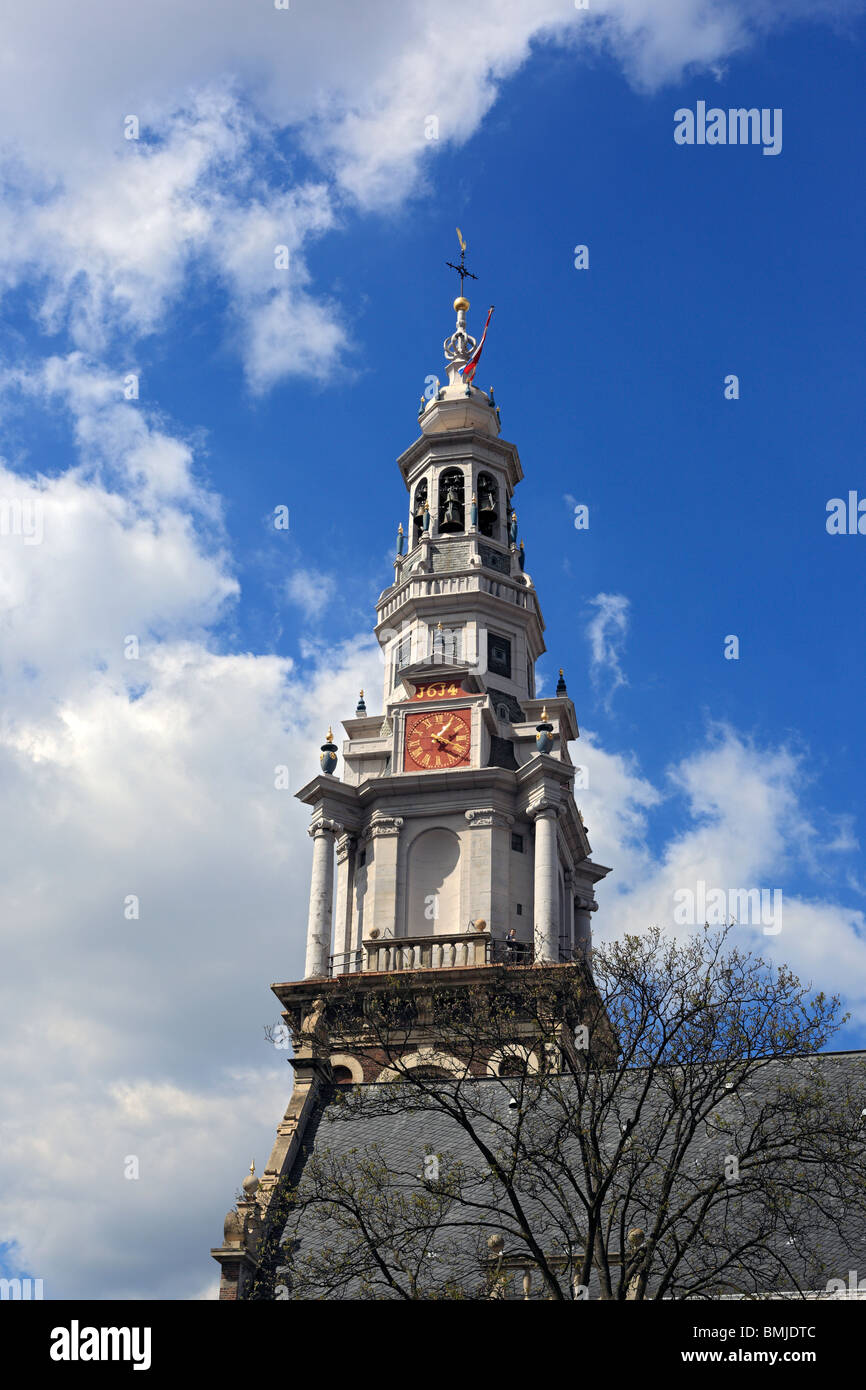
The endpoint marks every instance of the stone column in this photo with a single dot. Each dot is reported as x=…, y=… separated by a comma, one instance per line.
x=545, y=814
x=343, y=907
x=321, y=898
x=568, y=926
x=583, y=906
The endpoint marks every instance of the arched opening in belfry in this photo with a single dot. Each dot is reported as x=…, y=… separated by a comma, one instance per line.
x=451, y=501
x=488, y=511
x=433, y=898
x=513, y=1066
x=418, y=511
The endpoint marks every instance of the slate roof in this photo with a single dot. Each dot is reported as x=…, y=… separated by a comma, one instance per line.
x=400, y=1136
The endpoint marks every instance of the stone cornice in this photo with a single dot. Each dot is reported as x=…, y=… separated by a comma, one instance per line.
x=460, y=446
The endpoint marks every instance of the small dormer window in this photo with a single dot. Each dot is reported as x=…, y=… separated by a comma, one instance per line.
x=451, y=508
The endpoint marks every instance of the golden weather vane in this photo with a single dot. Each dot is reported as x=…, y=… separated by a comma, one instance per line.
x=461, y=268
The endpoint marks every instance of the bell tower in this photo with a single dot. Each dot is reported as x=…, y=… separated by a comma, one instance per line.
x=451, y=839
x=448, y=849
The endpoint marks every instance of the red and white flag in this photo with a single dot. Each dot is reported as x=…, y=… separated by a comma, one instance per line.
x=468, y=369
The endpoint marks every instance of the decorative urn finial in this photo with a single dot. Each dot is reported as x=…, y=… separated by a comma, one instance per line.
x=544, y=733
x=251, y=1183
x=360, y=708
x=560, y=684
x=328, y=756
x=400, y=539
x=512, y=529
x=521, y=558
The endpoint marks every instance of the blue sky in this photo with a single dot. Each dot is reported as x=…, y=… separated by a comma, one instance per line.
x=260, y=387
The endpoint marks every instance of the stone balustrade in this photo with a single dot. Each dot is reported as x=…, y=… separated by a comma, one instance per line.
x=421, y=586
x=427, y=952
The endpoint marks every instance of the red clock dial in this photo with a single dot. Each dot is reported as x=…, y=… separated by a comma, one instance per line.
x=440, y=739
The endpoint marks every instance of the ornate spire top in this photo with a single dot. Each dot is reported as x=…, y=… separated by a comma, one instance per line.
x=461, y=302
x=461, y=404
x=461, y=345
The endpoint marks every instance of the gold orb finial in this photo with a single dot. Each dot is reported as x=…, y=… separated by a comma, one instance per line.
x=544, y=715
x=330, y=734
x=461, y=302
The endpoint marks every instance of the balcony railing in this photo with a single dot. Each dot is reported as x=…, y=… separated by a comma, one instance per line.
x=439, y=952
x=427, y=952
x=346, y=963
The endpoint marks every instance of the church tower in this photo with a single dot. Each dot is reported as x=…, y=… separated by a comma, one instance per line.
x=454, y=820
x=449, y=843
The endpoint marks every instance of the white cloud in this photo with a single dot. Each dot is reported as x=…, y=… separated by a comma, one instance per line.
x=152, y=777
x=744, y=817
x=607, y=633
x=110, y=231
x=112, y=252
x=311, y=591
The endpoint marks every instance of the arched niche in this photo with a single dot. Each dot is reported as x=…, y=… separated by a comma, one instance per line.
x=488, y=505
x=347, y=1070
x=513, y=1060
x=433, y=896
x=428, y=1062
x=451, y=501
x=418, y=511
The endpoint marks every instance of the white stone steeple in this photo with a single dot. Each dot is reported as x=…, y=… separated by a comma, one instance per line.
x=454, y=822
x=449, y=848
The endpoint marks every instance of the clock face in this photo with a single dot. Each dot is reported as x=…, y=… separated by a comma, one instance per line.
x=440, y=739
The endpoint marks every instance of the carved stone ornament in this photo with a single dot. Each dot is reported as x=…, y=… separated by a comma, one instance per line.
x=345, y=845
x=384, y=825
x=325, y=827
x=482, y=817
x=585, y=904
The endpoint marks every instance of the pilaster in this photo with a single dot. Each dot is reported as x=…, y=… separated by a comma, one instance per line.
x=489, y=862
x=381, y=899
